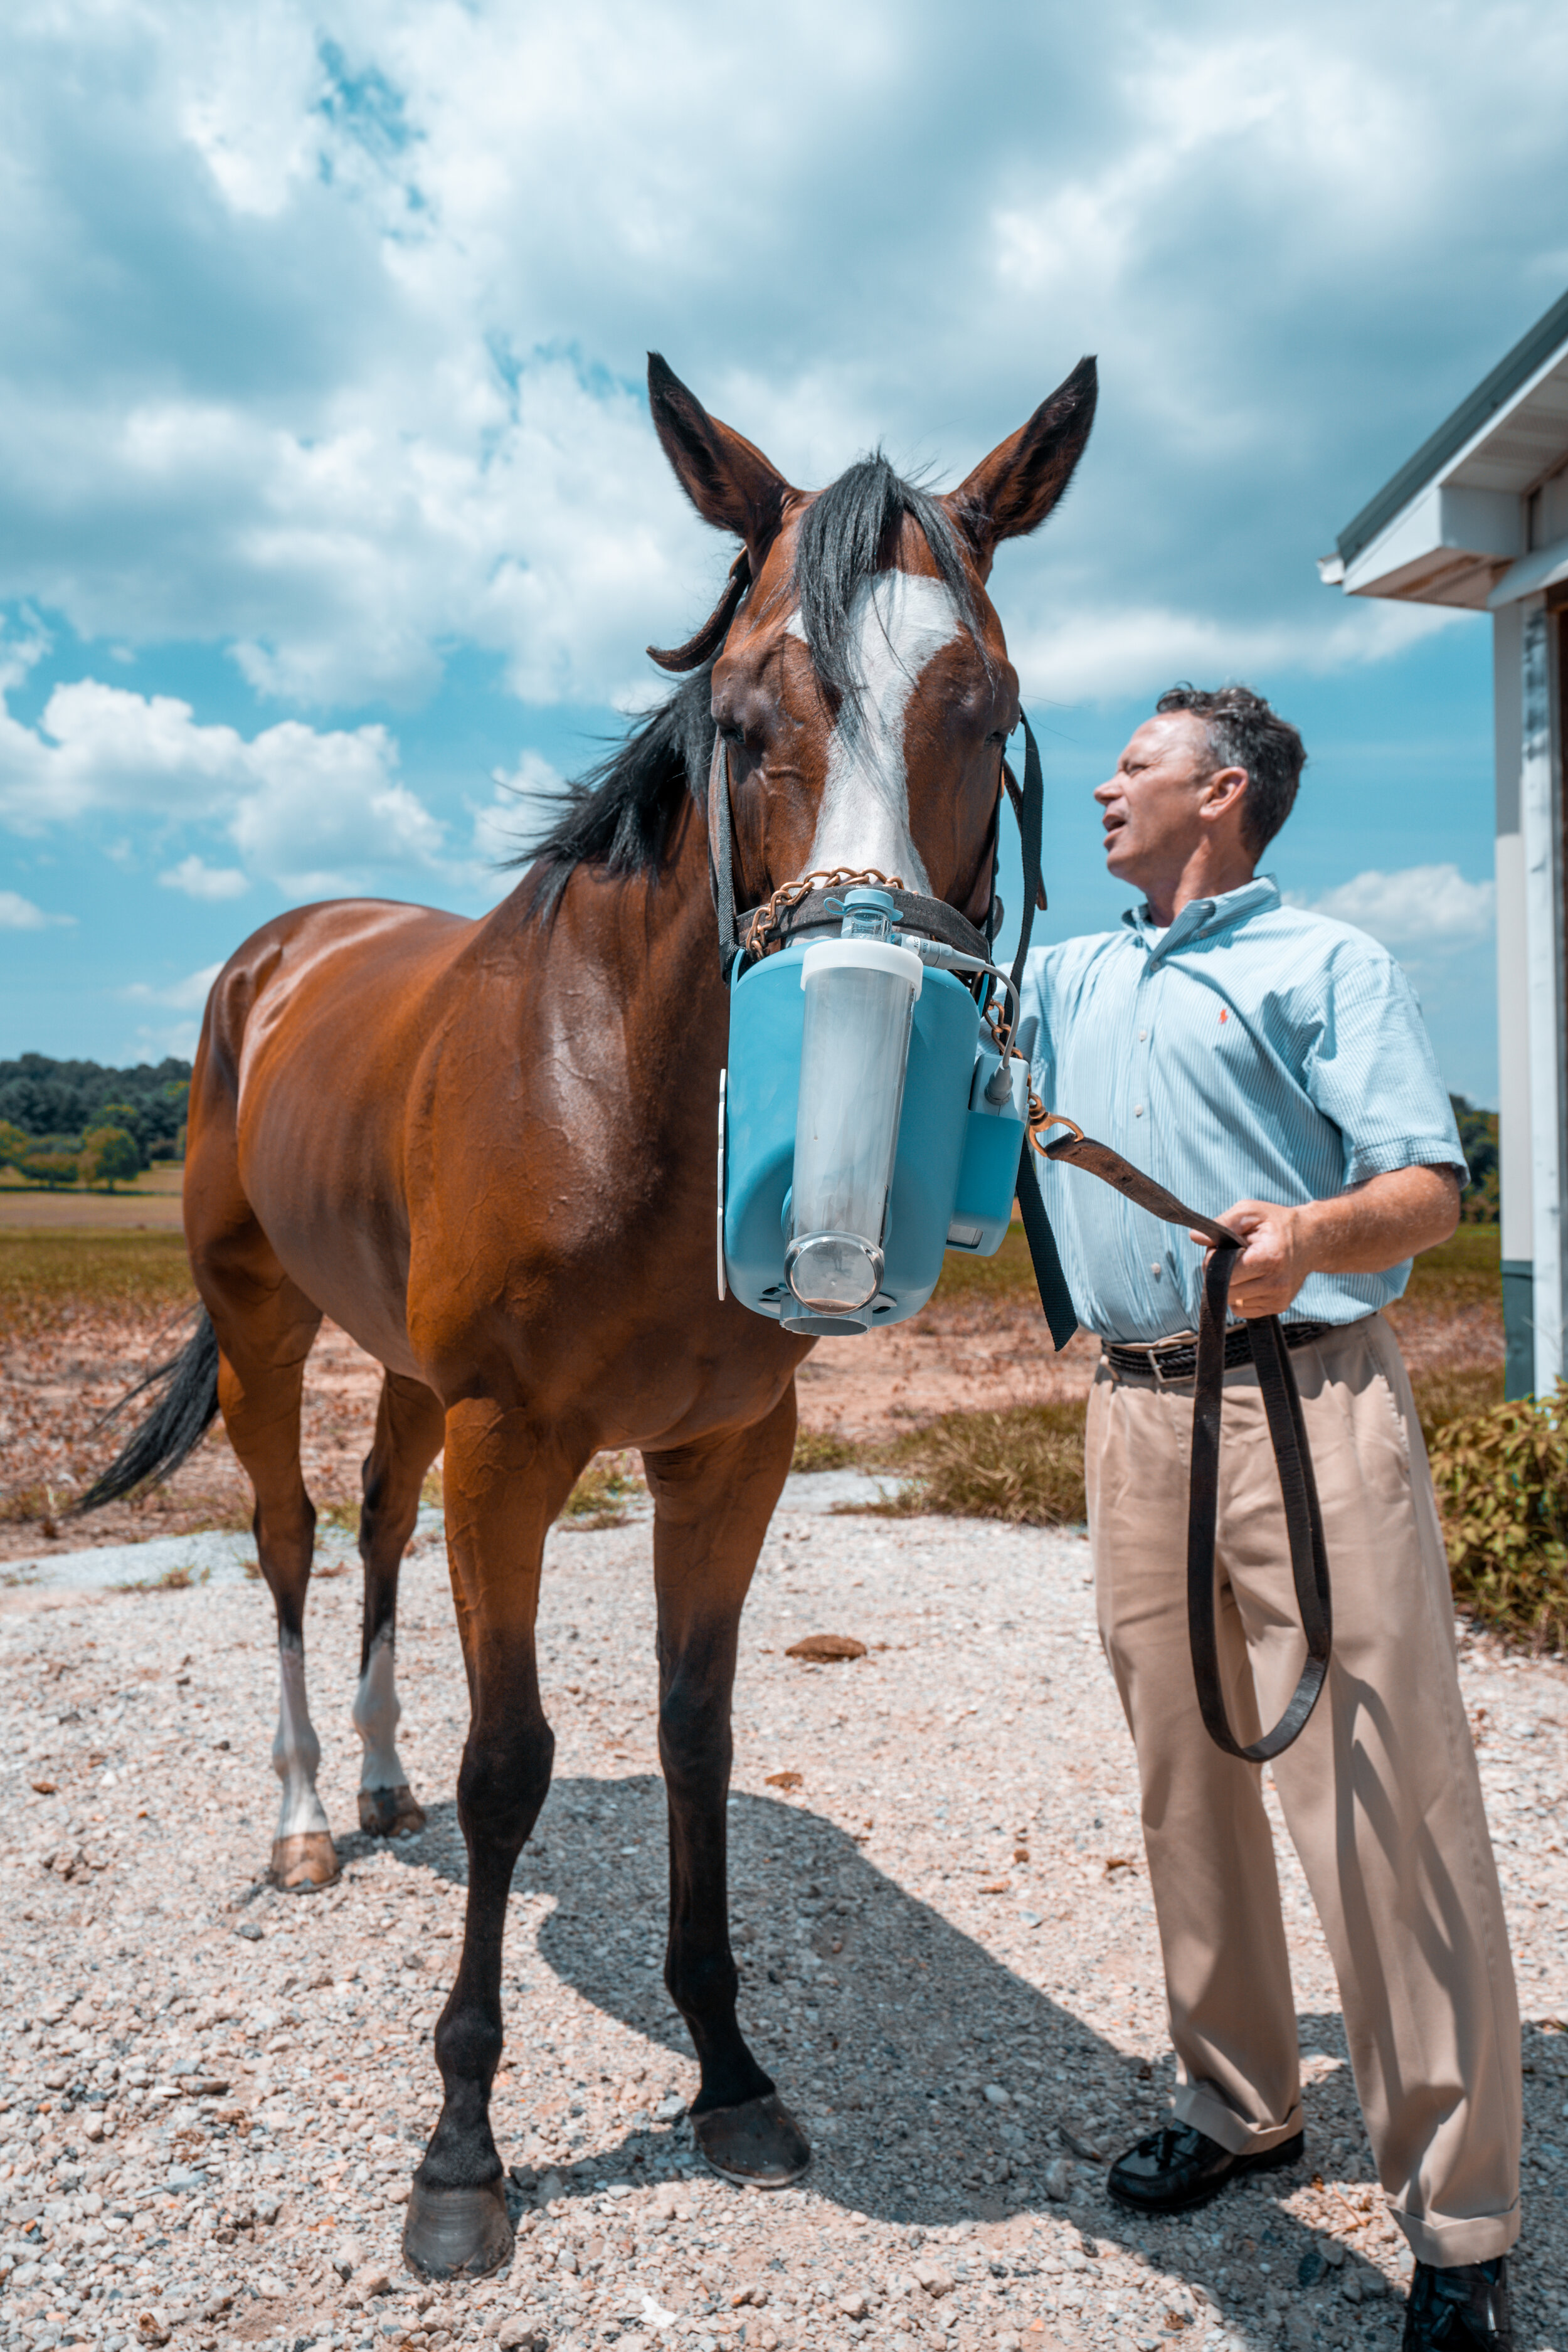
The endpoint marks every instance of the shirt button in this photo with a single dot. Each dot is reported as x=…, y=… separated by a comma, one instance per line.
x=1155, y=1268
x=1137, y=1110
x=1141, y=1035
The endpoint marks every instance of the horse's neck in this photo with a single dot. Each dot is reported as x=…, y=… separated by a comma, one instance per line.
x=659, y=943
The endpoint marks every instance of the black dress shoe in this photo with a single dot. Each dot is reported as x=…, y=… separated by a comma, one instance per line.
x=1458, y=2309
x=1181, y=2166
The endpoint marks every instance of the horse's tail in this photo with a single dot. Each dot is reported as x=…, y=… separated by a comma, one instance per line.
x=171, y=1432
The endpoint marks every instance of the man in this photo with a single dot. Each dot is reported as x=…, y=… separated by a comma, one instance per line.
x=1271, y=1067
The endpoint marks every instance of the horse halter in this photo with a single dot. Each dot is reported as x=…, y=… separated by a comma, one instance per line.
x=809, y=904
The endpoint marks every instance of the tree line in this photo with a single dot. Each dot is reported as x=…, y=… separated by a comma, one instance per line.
x=85, y=1123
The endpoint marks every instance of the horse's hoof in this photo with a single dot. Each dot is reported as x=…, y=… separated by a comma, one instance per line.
x=390, y=1812
x=758, y=2145
x=302, y=1863
x=457, y=2232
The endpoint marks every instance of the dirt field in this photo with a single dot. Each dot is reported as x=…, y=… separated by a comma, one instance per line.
x=212, y=2095
x=151, y=1205
x=83, y=1314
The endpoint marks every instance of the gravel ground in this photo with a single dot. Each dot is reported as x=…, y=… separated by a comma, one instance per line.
x=212, y=2095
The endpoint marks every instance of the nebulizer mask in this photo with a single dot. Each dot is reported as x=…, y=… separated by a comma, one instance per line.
x=869, y=1122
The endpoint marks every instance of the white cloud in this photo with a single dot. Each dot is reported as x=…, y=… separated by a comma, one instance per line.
x=199, y=880
x=308, y=811
x=187, y=995
x=19, y=914
x=1093, y=655
x=361, y=387
x=523, y=805
x=1415, y=907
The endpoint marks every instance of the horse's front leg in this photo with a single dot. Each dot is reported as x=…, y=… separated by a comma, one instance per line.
x=503, y=1486
x=712, y=1504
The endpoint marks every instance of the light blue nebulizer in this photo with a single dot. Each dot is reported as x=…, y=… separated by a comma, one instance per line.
x=867, y=1124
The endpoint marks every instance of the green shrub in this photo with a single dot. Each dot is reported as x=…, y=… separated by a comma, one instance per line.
x=1501, y=1477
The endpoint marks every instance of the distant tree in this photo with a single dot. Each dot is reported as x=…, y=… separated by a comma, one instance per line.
x=48, y=1099
x=15, y=1147
x=1480, y=1202
x=108, y=1156
x=51, y=1168
x=127, y=1115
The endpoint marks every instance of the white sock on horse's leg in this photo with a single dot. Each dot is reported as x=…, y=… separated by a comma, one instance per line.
x=376, y=1712
x=295, y=1750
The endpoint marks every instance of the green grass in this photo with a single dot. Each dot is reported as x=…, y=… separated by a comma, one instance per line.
x=1003, y=1279
x=1464, y=1273
x=46, y=1276
x=1023, y=1463
x=822, y=1449
x=1452, y=1390
x=598, y=1499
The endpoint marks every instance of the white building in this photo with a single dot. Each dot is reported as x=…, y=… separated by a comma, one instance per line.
x=1479, y=518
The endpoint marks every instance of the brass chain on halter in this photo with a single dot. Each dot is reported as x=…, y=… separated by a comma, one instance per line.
x=765, y=920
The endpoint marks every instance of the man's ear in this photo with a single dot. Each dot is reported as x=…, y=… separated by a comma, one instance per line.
x=731, y=484
x=1014, y=489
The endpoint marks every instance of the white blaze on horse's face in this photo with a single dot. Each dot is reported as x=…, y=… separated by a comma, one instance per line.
x=899, y=619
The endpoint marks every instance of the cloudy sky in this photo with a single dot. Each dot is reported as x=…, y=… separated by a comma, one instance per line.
x=332, y=527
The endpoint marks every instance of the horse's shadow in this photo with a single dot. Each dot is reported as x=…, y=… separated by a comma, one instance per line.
x=885, y=2046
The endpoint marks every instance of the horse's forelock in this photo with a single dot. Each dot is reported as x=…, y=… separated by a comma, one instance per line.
x=849, y=534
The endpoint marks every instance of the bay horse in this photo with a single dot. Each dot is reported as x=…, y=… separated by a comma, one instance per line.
x=486, y=1149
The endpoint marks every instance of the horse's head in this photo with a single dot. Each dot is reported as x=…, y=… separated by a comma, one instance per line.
x=863, y=692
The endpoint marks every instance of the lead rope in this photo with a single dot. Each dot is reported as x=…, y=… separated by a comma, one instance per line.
x=1287, y=1435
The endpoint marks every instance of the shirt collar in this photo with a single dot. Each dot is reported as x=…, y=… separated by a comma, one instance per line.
x=1202, y=917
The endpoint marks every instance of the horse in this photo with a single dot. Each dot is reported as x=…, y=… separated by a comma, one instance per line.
x=485, y=1149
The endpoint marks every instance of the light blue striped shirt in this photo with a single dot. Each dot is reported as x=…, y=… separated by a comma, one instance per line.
x=1252, y=1052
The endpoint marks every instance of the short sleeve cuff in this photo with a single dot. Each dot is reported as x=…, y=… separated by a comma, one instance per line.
x=1387, y=1158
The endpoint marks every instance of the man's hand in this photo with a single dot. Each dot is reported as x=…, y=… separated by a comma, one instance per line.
x=1363, y=1231
x=1278, y=1258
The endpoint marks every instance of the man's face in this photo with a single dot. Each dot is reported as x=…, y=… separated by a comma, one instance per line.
x=1152, y=805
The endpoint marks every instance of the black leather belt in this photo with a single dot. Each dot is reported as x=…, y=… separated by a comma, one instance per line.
x=1177, y=1359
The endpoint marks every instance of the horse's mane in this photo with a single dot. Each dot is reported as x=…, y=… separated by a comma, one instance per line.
x=618, y=813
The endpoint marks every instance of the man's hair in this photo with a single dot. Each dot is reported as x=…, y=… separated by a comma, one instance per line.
x=1243, y=732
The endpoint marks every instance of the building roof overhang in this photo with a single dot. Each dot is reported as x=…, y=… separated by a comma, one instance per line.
x=1449, y=529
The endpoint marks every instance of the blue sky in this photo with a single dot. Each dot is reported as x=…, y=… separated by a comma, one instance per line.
x=330, y=519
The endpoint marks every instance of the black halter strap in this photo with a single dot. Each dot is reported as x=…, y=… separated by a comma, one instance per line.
x=931, y=917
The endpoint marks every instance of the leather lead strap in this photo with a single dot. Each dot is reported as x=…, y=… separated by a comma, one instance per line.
x=1031, y=827
x=1056, y=1298
x=1292, y=1460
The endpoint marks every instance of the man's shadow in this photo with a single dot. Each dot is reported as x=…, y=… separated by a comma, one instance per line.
x=884, y=2025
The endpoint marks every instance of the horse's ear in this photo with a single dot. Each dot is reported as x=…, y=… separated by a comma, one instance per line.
x=729, y=483
x=1014, y=489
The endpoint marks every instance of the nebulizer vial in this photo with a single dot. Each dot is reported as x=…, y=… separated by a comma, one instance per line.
x=860, y=991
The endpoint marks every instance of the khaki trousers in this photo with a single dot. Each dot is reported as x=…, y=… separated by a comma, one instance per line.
x=1381, y=1793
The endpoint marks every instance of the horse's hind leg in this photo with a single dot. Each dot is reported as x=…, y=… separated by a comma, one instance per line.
x=265, y=1327
x=712, y=1504
x=409, y=1425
